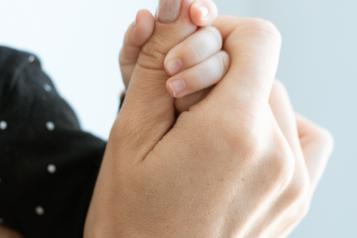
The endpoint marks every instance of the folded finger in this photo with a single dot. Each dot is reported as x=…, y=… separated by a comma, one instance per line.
x=136, y=36
x=193, y=50
x=317, y=145
x=254, y=48
x=200, y=76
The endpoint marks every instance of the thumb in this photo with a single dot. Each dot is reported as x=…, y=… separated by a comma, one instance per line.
x=148, y=112
x=135, y=37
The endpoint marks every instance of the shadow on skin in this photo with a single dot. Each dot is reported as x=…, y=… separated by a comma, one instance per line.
x=7, y=233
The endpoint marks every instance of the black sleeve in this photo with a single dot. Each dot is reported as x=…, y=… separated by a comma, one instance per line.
x=48, y=165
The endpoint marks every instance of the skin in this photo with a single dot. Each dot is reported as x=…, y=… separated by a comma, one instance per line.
x=7, y=233
x=140, y=32
x=308, y=148
x=238, y=163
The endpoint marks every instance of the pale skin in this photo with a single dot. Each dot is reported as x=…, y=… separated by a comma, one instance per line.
x=237, y=163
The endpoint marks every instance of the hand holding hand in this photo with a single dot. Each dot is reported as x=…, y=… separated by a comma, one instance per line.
x=231, y=166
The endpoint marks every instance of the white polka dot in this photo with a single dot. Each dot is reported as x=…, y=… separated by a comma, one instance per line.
x=47, y=87
x=39, y=210
x=3, y=125
x=50, y=125
x=31, y=58
x=51, y=168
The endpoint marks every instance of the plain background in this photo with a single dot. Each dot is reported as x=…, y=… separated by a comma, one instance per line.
x=79, y=42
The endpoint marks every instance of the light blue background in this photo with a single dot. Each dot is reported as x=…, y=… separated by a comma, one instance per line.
x=79, y=43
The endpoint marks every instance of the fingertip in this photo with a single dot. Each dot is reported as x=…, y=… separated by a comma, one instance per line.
x=173, y=65
x=145, y=14
x=203, y=12
x=177, y=87
x=170, y=89
x=143, y=27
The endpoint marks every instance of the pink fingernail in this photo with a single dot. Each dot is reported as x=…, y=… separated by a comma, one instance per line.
x=169, y=10
x=173, y=66
x=177, y=87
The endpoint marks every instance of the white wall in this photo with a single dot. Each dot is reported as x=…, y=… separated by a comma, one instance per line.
x=78, y=42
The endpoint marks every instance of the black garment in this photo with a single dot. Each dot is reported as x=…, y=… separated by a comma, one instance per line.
x=48, y=165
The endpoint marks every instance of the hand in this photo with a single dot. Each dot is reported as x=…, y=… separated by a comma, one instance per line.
x=213, y=172
x=198, y=61
x=290, y=207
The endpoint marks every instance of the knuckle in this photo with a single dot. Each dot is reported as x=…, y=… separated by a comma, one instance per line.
x=201, y=46
x=265, y=28
x=282, y=165
x=279, y=88
x=297, y=192
x=326, y=138
x=189, y=54
x=282, y=169
x=243, y=134
x=216, y=35
x=245, y=141
x=152, y=55
x=317, y=136
x=184, y=52
x=249, y=144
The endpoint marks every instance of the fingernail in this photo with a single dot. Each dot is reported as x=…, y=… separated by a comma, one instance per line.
x=204, y=12
x=169, y=10
x=177, y=87
x=173, y=66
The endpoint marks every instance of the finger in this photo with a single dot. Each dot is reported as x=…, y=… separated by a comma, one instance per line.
x=193, y=50
x=285, y=116
x=199, y=77
x=169, y=11
x=317, y=145
x=203, y=12
x=148, y=105
x=136, y=36
x=185, y=103
x=298, y=188
x=254, y=48
x=286, y=229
